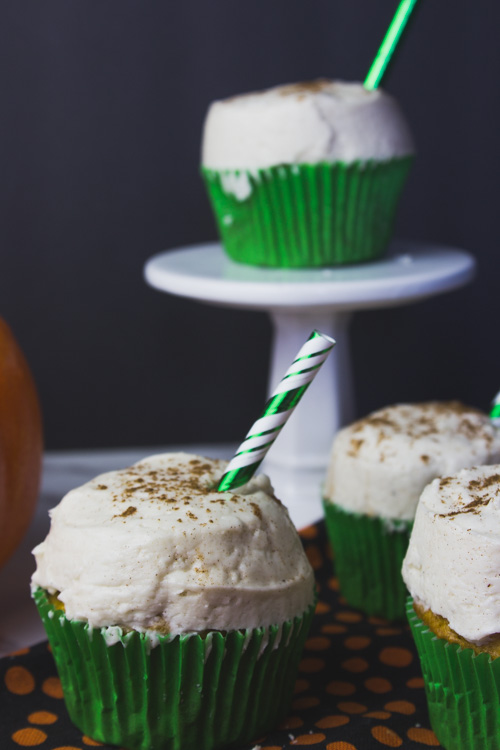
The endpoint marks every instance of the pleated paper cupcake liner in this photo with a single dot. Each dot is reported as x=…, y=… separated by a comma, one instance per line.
x=369, y=553
x=462, y=689
x=183, y=692
x=307, y=215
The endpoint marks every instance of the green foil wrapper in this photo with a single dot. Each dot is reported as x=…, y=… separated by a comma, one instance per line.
x=184, y=692
x=369, y=553
x=307, y=215
x=462, y=689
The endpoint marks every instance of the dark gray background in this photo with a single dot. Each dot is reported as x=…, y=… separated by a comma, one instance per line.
x=102, y=106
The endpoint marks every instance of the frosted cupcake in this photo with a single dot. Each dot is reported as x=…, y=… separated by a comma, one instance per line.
x=452, y=572
x=176, y=614
x=378, y=469
x=307, y=174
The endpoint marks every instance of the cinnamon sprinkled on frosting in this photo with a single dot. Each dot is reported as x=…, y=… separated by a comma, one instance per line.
x=155, y=546
x=380, y=464
x=452, y=566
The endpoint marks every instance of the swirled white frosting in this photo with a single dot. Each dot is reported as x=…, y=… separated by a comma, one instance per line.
x=380, y=464
x=452, y=566
x=156, y=547
x=304, y=123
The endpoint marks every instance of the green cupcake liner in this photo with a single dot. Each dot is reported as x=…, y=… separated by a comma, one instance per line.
x=308, y=215
x=174, y=693
x=462, y=689
x=369, y=553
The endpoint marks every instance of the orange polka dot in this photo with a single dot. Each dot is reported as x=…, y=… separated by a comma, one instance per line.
x=424, y=736
x=401, y=707
x=386, y=736
x=322, y=608
x=318, y=643
x=415, y=682
x=311, y=665
x=52, y=687
x=378, y=620
x=333, y=629
x=29, y=737
x=314, y=556
x=330, y=722
x=309, y=532
x=340, y=746
x=300, y=686
x=357, y=642
x=291, y=722
x=19, y=680
x=378, y=715
x=308, y=739
x=20, y=652
x=388, y=631
x=333, y=584
x=378, y=685
x=89, y=741
x=349, y=707
x=337, y=687
x=355, y=665
x=307, y=701
x=396, y=657
x=349, y=616
x=42, y=717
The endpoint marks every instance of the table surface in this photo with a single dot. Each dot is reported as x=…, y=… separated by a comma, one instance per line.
x=20, y=625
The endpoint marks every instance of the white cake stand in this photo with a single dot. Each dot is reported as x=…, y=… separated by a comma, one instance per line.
x=298, y=301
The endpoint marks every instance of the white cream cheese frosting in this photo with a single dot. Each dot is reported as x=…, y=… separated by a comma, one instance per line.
x=380, y=464
x=301, y=123
x=452, y=565
x=156, y=547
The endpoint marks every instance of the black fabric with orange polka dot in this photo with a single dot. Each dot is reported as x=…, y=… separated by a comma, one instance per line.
x=359, y=684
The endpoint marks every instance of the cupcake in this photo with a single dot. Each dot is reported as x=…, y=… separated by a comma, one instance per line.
x=378, y=469
x=176, y=614
x=307, y=174
x=452, y=572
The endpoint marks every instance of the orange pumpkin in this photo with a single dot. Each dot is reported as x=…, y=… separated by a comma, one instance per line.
x=21, y=444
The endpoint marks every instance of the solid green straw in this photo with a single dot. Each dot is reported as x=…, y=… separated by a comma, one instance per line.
x=389, y=43
x=495, y=410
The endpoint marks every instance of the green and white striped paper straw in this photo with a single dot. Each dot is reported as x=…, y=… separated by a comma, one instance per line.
x=279, y=407
x=495, y=410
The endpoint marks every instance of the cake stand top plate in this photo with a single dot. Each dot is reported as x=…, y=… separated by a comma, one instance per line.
x=409, y=272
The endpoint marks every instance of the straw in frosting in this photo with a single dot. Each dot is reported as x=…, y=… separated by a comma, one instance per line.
x=277, y=410
x=389, y=43
x=495, y=410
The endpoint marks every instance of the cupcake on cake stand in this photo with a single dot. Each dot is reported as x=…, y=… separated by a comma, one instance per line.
x=313, y=217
